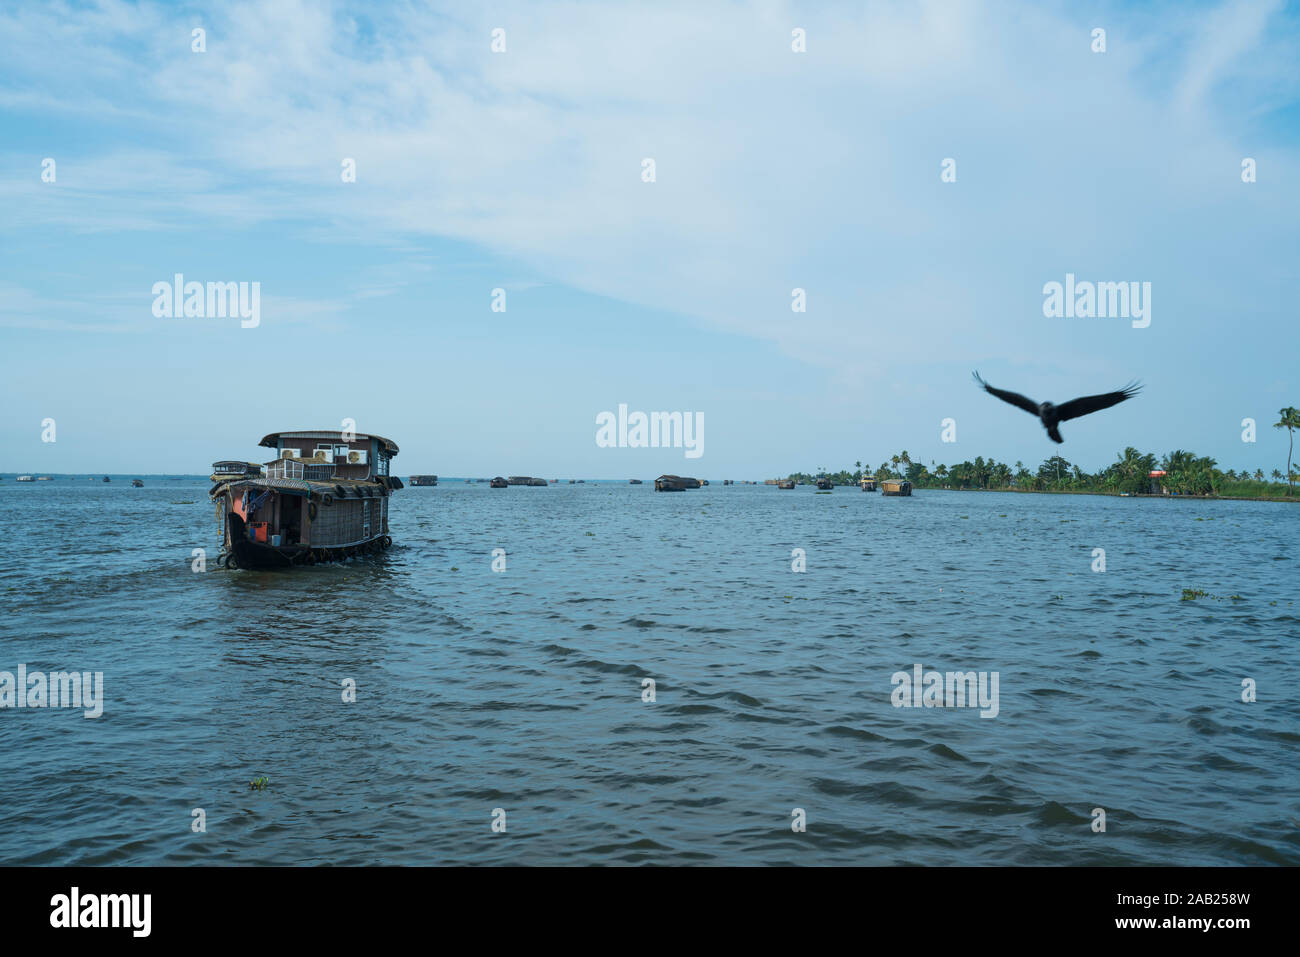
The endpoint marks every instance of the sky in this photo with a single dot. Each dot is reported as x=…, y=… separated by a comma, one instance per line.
x=522, y=169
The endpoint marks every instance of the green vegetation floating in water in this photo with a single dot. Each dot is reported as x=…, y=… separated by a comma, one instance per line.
x=1191, y=594
x=188, y=502
x=259, y=784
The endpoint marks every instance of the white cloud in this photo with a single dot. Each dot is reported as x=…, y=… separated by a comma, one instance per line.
x=775, y=169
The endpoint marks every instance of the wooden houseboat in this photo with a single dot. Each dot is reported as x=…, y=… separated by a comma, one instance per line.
x=526, y=480
x=675, y=483
x=137, y=483
x=635, y=482
x=24, y=478
x=417, y=480
x=895, y=487
x=498, y=482
x=868, y=483
x=323, y=498
x=824, y=484
x=785, y=483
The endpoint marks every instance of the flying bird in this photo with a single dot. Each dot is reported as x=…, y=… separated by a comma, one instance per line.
x=1053, y=415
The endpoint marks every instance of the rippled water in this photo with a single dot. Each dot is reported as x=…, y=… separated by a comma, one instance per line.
x=522, y=690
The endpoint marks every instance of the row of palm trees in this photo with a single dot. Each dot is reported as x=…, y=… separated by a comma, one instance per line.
x=1185, y=472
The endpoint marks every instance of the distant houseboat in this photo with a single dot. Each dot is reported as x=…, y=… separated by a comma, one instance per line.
x=424, y=480
x=635, y=482
x=44, y=478
x=895, y=487
x=675, y=483
x=107, y=479
x=136, y=483
x=527, y=480
x=323, y=498
x=24, y=478
x=868, y=484
x=498, y=482
x=825, y=484
x=785, y=483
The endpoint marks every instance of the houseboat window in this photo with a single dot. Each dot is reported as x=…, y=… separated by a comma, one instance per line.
x=381, y=467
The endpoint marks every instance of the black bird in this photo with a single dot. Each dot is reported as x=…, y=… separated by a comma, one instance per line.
x=1053, y=415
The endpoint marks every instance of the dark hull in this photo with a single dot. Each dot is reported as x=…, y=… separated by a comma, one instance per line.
x=258, y=556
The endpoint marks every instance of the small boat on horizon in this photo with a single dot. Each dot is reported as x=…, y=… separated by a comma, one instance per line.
x=24, y=478
x=137, y=483
x=498, y=482
x=418, y=480
x=675, y=483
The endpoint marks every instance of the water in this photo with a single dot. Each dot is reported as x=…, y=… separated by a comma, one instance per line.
x=522, y=690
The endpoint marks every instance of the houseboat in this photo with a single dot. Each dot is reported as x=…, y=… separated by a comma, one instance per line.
x=526, y=480
x=824, y=484
x=423, y=480
x=785, y=483
x=107, y=479
x=675, y=483
x=635, y=482
x=137, y=483
x=24, y=478
x=895, y=487
x=45, y=478
x=868, y=483
x=498, y=482
x=323, y=498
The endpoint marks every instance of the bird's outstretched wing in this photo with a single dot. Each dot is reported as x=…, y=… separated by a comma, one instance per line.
x=1094, y=403
x=1015, y=398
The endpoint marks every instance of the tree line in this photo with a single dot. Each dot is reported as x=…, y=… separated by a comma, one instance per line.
x=1186, y=473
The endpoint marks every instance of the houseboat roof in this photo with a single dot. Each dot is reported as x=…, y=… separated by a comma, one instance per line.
x=273, y=440
x=339, y=488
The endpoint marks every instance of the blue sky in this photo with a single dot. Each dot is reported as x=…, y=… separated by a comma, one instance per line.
x=522, y=170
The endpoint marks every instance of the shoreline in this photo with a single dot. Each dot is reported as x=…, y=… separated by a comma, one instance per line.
x=452, y=480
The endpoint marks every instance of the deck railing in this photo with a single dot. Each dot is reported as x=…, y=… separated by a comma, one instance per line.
x=284, y=469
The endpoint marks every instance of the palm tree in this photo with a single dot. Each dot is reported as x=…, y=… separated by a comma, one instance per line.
x=1277, y=475
x=1290, y=420
x=1259, y=475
